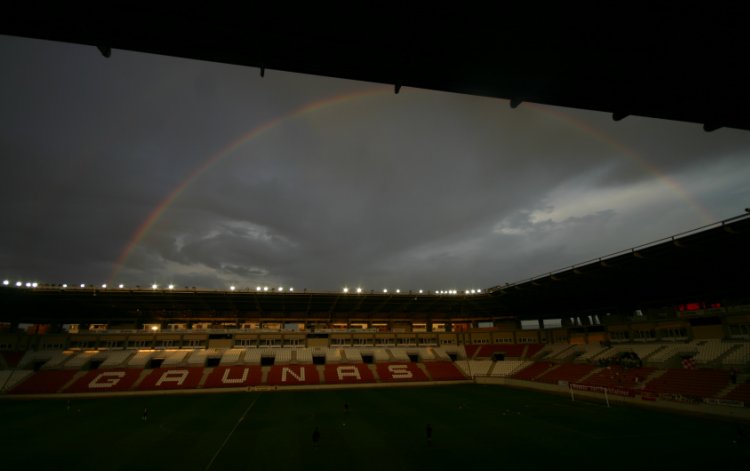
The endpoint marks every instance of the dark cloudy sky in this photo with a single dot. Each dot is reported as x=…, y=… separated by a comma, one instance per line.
x=318, y=183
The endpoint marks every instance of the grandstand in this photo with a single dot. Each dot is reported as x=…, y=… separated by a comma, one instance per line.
x=683, y=354
x=677, y=337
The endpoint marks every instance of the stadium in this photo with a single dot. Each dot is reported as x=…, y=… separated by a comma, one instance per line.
x=635, y=358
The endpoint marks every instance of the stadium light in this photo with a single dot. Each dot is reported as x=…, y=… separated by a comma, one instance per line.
x=154, y=286
x=65, y=285
x=281, y=288
x=291, y=289
x=479, y=291
x=121, y=286
x=171, y=286
x=6, y=282
x=104, y=285
x=83, y=285
x=265, y=288
x=28, y=284
x=34, y=284
x=346, y=290
x=231, y=288
x=385, y=290
x=398, y=291
x=420, y=291
x=359, y=290
x=258, y=288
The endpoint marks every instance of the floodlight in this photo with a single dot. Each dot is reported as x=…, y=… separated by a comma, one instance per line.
x=6, y=282
x=154, y=286
x=171, y=286
x=231, y=288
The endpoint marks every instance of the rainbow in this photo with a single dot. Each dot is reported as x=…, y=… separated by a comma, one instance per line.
x=227, y=150
x=328, y=102
x=647, y=166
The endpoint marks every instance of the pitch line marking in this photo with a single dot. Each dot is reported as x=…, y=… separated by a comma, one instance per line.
x=226, y=440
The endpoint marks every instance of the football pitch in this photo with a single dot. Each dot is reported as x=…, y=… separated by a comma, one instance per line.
x=384, y=428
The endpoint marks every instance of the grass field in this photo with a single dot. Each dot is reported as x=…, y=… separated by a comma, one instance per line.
x=473, y=426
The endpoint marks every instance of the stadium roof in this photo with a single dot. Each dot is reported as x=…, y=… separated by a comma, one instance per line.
x=675, y=62
x=707, y=265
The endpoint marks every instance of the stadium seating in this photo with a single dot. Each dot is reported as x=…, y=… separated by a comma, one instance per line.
x=348, y=373
x=440, y=354
x=700, y=383
x=530, y=372
x=141, y=358
x=508, y=367
x=124, y=370
x=671, y=351
x=80, y=359
x=232, y=356
x=252, y=356
x=198, y=357
x=642, y=350
x=172, y=357
x=12, y=358
x=353, y=355
x=471, y=350
x=512, y=350
x=400, y=372
x=618, y=377
x=560, y=352
x=740, y=356
x=303, y=355
x=49, y=358
x=710, y=350
x=399, y=354
x=283, y=356
x=570, y=372
x=471, y=368
x=171, y=378
x=234, y=376
x=293, y=375
x=532, y=349
x=10, y=378
x=381, y=354
x=333, y=355
x=105, y=381
x=590, y=351
x=443, y=371
x=44, y=382
x=116, y=358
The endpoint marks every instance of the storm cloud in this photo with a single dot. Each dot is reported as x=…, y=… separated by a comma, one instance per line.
x=145, y=169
